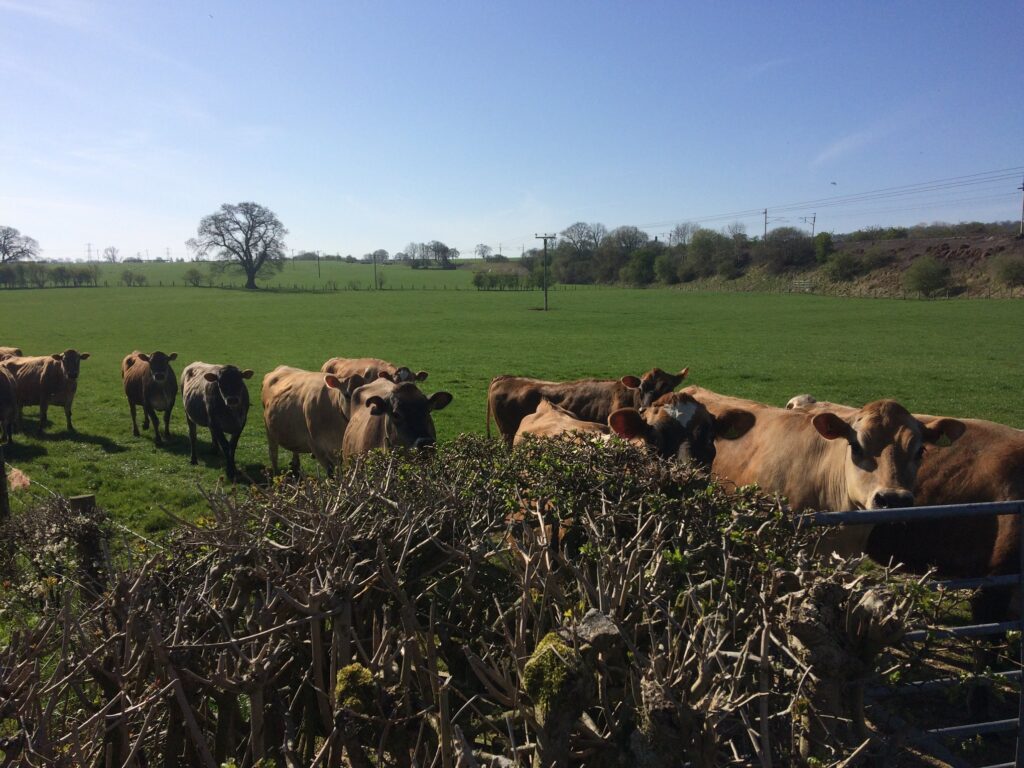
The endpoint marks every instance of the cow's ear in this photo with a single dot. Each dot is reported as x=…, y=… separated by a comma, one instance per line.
x=831, y=426
x=334, y=382
x=733, y=423
x=385, y=375
x=84, y=356
x=421, y=375
x=942, y=432
x=378, y=405
x=143, y=357
x=630, y=382
x=682, y=373
x=627, y=423
x=247, y=373
x=57, y=357
x=210, y=376
x=440, y=400
x=172, y=356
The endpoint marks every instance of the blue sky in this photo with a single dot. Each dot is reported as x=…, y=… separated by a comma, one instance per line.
x=368, y=125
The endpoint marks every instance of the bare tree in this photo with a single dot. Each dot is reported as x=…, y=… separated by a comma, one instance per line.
x=15, y=246
x=681, y=234
x=111, y=254
x=483, y=251
x=247, y=235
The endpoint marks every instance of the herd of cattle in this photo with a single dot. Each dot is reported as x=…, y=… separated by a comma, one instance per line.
x=819, y=455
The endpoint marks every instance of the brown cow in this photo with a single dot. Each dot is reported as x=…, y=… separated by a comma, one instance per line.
x=149, y=382
x=305, y=412
x=985, y=464
x=678, y=427
x=866, y=459
x=370, y=368
x=510, y=398
x=385, y=415
x=45, y=381
x=8, y=405
x=675, y=427
x=10, y=352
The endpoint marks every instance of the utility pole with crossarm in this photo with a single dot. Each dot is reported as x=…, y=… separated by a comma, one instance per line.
x=545, y=238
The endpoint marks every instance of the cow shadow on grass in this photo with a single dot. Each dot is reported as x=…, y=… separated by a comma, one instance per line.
x=207, y=455
x=105, y=444
x=20, y=451
x=52, y=434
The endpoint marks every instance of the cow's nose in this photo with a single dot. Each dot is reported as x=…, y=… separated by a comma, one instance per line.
x=424, y=442
x=892, y=499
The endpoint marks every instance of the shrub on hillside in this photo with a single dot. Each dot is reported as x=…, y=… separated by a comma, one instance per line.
x=878, y=256
x=824, y=246
x=1008, y=269
x=786, y=249
x=193, y=277
x=466, y=601
x=844, y=267
x=927, y=275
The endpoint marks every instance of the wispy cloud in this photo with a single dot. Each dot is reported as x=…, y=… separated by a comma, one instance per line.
x=68, y=13
x=845, y=145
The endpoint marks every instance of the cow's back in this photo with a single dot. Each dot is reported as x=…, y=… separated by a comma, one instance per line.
x=550, y=420
x=511, y=398
x=196, y=391
x=367, y=367
x=302, y=412
x=8, y=398
x=35, y=378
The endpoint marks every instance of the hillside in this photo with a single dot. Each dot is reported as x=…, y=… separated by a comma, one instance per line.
x=882, y=264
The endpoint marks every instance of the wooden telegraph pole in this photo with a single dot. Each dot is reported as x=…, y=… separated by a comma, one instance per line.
x=545, y=238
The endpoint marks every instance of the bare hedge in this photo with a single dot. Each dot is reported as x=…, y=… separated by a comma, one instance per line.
x=565, y=604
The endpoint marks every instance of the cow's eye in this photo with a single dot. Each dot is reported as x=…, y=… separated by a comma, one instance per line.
x=919, y=453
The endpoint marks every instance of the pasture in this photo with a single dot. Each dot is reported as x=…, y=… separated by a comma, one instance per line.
x=959, y=358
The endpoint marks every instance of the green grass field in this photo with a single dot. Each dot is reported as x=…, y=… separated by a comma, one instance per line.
x=302, y=275
x=962, y=358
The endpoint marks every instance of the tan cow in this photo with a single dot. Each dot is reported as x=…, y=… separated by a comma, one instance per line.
x=149, y=382
x=867, y=459
x=985, y=464
x=550, y=420
x=305, y=412
x=10, y=352
x=511, y=398
x=45, y=381
x=386, y=415
x=8, y=405
x=370, y=368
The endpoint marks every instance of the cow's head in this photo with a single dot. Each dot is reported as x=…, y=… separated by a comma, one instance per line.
x=402, y=374
x=231, y=387
x=159, y=365
x=678, y=427
x=885, y=444
x=407, y=414
x=70, y=361
x=653, y=384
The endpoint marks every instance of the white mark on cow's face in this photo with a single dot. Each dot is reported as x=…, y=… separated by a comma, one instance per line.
x=681, y=412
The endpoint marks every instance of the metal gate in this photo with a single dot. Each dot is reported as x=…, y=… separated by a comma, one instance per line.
x=916, y=514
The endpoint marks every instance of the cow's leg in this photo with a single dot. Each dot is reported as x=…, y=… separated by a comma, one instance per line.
x=151, y=413
x=191, y=440
x=167, y=423
x=221, y=442
x=67, y=416
x=232, y=446
x=135, y=421
x=42, y=415
x=295, y=466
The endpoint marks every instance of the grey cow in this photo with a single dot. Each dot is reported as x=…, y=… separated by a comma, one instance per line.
x=215, y=396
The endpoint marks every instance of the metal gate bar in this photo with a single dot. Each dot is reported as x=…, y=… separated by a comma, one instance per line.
x=946, y=512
